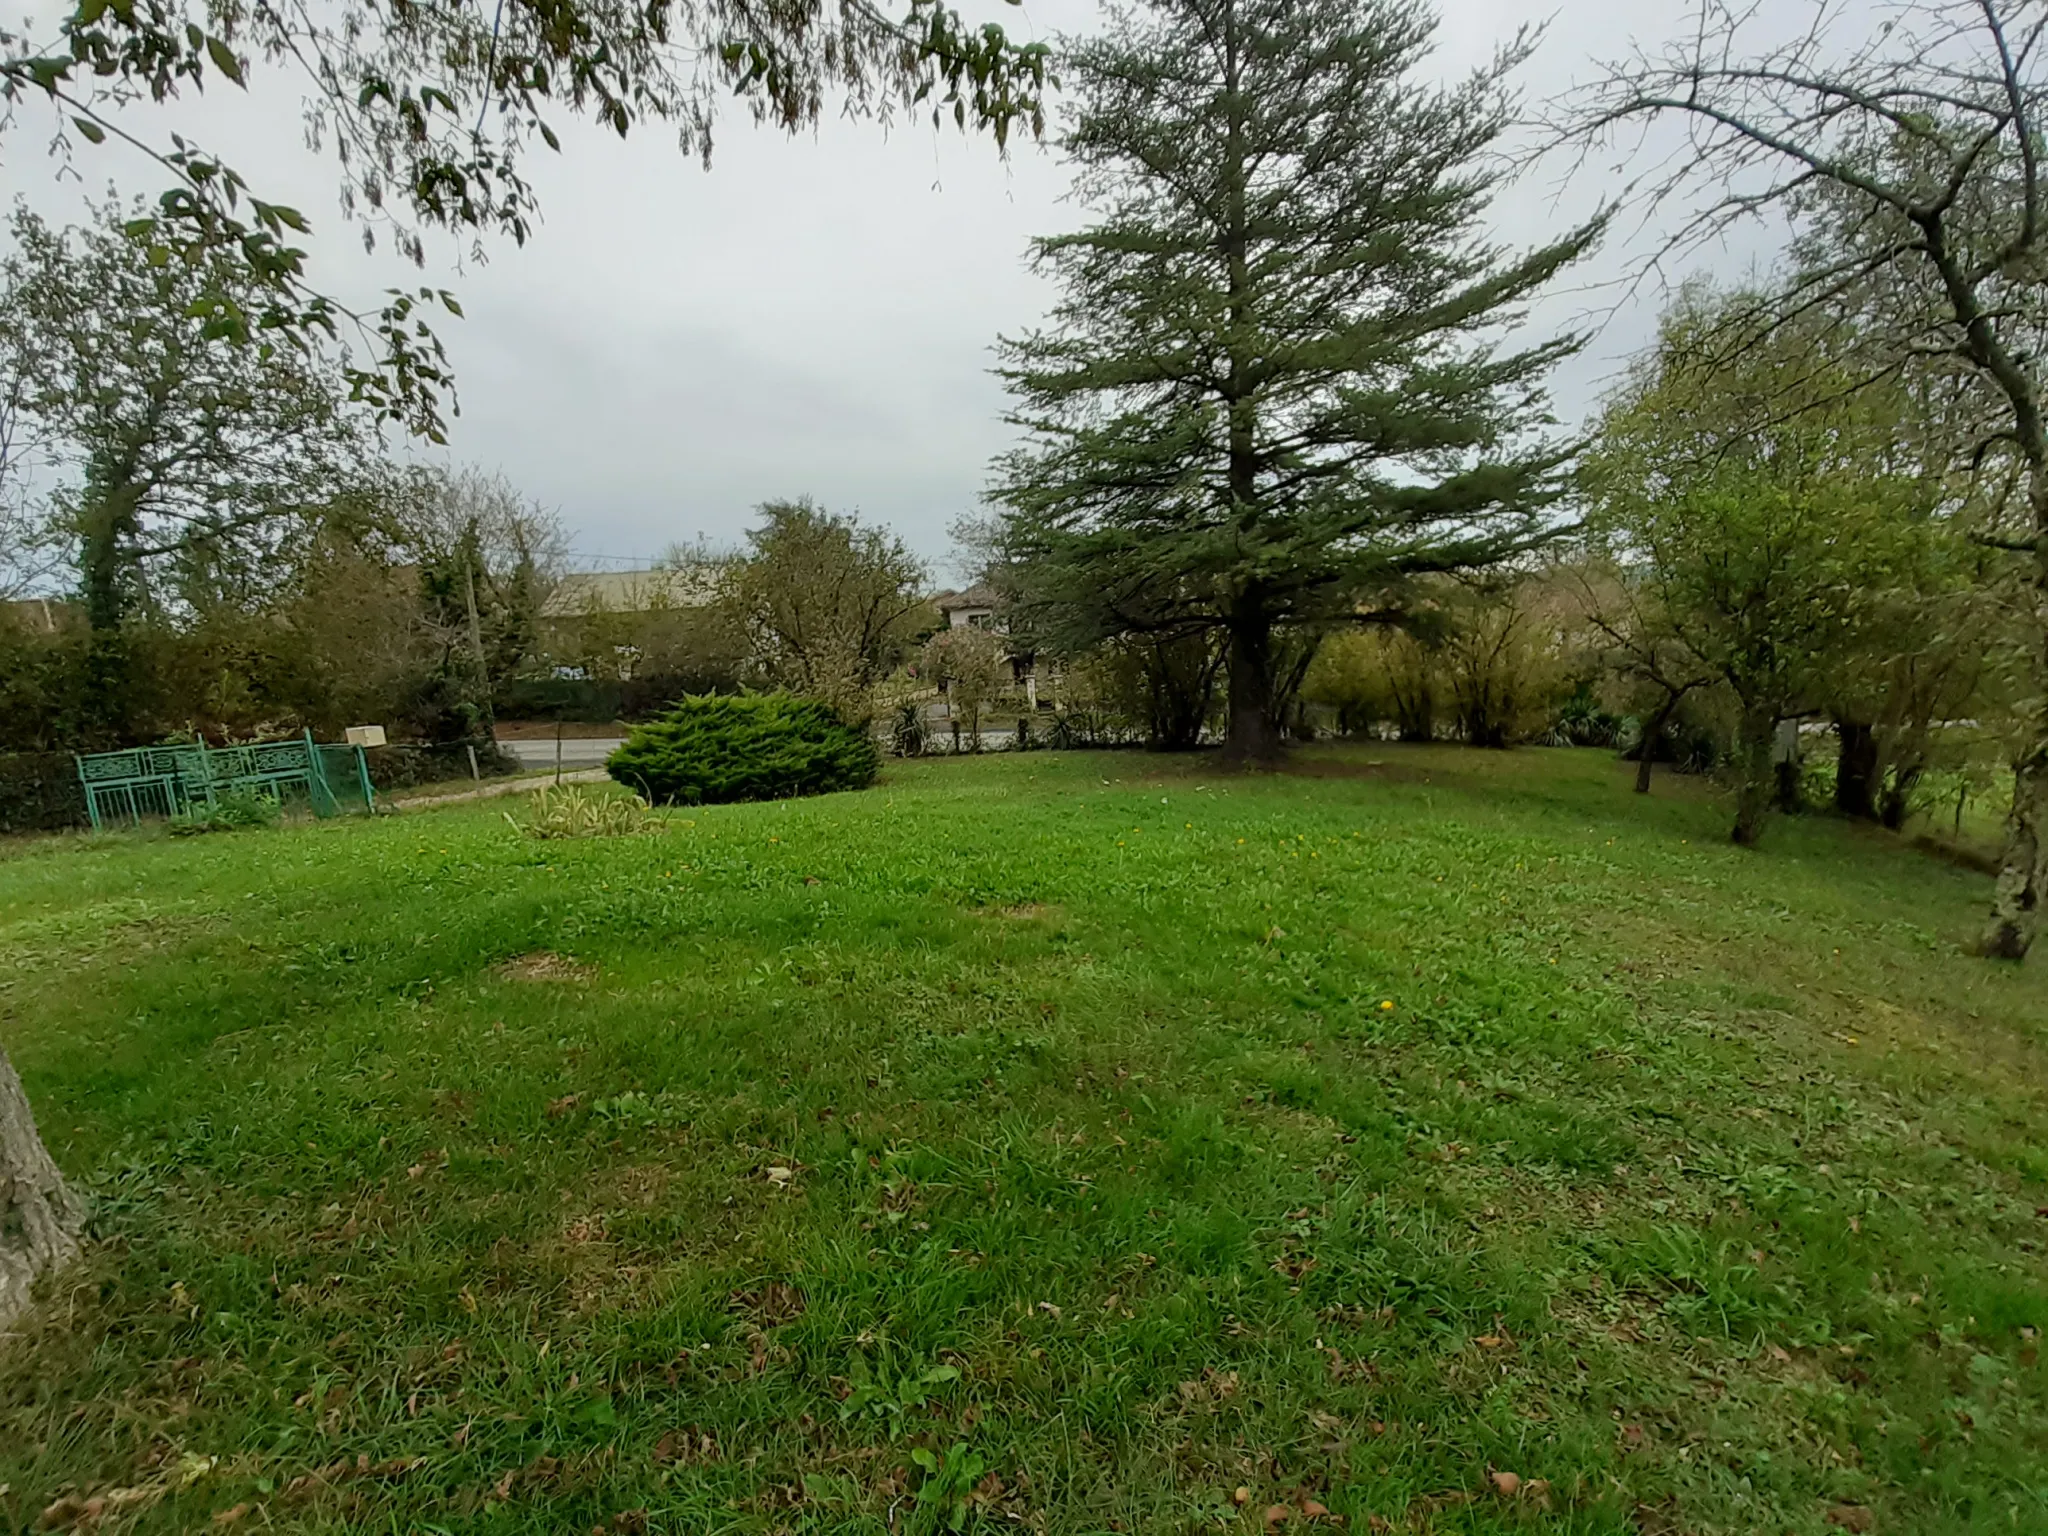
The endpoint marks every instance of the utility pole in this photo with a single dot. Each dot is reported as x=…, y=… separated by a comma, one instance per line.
x=476, y=633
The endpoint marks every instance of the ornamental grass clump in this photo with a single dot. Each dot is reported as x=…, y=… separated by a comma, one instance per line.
x=570, y=810
x=772, y=746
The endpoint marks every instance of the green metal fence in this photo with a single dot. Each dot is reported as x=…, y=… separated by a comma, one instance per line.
x=166, y=781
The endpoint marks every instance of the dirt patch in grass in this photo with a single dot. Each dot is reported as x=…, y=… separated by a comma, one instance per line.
x=545, y=965
x=1024, y=912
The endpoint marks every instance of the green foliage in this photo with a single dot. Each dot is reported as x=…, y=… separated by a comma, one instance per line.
x=973, y=666
x=892, y=1395
x=182, y=453
x=431, y=116
x=572, y=810
x=1086, y=1096
x=948, y=1485
x=1166, y=683
x=1279, y=382
x=40, y=792
x=232, y=811
x=1491, y=662
x=910, y=734
x=1776, y=520
x=828, y=604
x=707, y=751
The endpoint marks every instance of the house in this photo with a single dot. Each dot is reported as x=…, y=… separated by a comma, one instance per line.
x=973, y=609
x=42, y=615
x=620, y=624
x=981, y=607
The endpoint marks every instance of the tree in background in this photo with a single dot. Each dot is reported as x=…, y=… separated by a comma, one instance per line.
x=1492, y=659
x=178, y=459
x=973, y=664
x=486, y=559
x=1916, y=154
x=828, y=603
x=1766, y=505
x=1504, y=655
x=1641, y=649
x=184, y=451
x=1165, y=682
x=1276, y=388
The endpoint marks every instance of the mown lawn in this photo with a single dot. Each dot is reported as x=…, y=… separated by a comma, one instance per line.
x=1421, y=1140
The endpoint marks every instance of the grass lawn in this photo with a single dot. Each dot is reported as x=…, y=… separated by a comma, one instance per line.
x=1422, y=1140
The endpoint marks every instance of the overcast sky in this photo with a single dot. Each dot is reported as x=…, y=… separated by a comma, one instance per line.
x=811, y=316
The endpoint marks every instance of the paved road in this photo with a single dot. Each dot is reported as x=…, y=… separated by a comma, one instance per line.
x=591, y=751
x=577, y=751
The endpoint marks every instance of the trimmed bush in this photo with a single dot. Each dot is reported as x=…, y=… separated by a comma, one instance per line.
x=771, y=746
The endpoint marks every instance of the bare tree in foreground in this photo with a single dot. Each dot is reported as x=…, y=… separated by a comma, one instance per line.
x=1911, y=144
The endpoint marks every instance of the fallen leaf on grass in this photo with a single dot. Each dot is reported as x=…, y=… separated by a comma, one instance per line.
x=1852, y=1517
x=780, y=1176
x=1276, y=1515
x=683, y=1445
x=1506, y=1484
x=1241, y=1497
x=230, y=1516
x=1312, y=1509
x=560, y=1107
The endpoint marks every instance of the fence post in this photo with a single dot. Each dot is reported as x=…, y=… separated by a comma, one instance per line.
x=92, y=801
x=363, y=772
x=318, y=794
x=475, y=772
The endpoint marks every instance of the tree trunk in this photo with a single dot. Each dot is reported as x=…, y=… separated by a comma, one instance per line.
x=1653, y=741
x=40, y=1217
x=1252, y=734
x=1758, y=779
x=1856, y=770
x=2016, y=899
x=1898, y=797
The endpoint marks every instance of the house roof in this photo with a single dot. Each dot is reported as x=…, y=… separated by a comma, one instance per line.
x=974, y=597
x=41, y=615
x=587, y=592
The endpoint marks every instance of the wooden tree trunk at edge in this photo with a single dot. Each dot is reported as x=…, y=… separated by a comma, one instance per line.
x=40, y=1217
x=2016, y=900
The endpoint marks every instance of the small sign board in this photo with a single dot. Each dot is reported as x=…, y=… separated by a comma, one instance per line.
x=365, y=735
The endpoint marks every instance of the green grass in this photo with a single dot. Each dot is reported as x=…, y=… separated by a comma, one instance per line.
x=1029, y=1141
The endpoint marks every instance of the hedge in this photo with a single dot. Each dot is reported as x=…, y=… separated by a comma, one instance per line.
x=40, y=792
